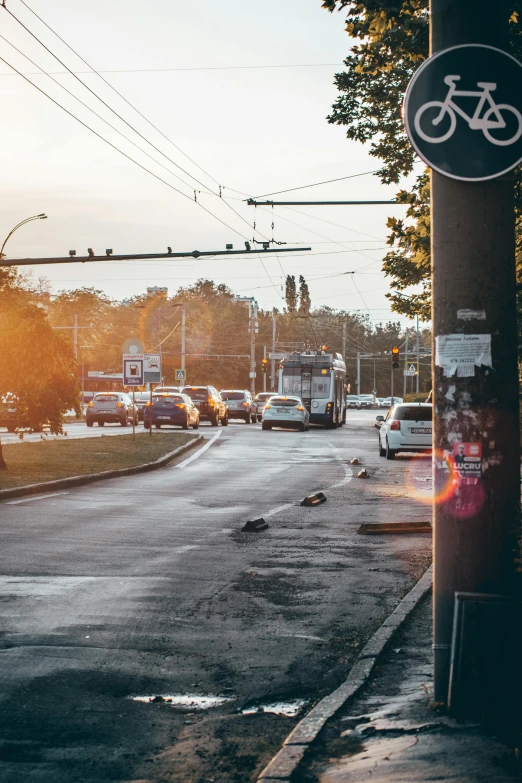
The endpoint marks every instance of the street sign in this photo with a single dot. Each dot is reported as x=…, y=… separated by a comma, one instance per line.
x=463, y=112
x=412, y=370
x=152, y=368
x=133, y=369
x=132, y=345
x=181, y=375
x=276, y=355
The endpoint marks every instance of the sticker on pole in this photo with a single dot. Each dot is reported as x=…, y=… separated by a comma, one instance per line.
x=463, y=112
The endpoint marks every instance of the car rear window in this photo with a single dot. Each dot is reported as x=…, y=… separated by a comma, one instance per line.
x=167, y=399
x=280, y=402
x=263, y=397
x=106, y=398
x=197, y=394
x=232, y=395
x=419, y=413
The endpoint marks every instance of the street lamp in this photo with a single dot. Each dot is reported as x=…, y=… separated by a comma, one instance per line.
x=42, y=216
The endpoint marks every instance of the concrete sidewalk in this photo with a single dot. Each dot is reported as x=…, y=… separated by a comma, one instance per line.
x=392, y=733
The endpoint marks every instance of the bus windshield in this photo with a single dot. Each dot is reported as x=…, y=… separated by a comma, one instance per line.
x=320, y=384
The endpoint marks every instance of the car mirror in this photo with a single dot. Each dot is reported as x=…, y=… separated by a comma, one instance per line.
x=379, y=418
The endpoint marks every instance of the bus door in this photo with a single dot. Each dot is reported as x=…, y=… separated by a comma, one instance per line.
x=306, y=387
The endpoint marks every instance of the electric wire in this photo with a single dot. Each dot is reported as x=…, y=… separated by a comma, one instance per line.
x=314, y=184
x=201, y=68
x=141, y=166
x=93, y=70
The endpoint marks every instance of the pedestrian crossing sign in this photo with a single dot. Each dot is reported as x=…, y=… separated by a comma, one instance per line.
x=412, y=370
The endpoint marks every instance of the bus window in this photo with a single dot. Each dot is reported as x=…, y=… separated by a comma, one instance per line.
x=320, y=385
x=292, y=381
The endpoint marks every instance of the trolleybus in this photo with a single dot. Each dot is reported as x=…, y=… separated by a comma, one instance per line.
x=319, y=378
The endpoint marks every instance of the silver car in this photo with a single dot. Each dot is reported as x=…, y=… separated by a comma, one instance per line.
x=240, y=404
x=261, y=400
x=111, y=407
x=287, y=412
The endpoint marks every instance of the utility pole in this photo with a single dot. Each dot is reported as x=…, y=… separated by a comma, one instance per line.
x=75, y=342
x=183, y=336
x=358, y=380
x=473, y=273
x=418, y=365
x=344, y=342
x=252, y=312
x=406, y=364
x=272, y=368
x=264, y=373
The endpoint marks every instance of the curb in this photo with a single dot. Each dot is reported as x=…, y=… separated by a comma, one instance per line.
x=285, y=762
x=76, y=481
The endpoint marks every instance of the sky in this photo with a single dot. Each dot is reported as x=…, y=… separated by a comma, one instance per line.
x=209, y=76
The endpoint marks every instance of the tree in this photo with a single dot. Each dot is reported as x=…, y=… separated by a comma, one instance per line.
x=392, y=42
x=305, y=302
x=291, y=294
x=38, y=367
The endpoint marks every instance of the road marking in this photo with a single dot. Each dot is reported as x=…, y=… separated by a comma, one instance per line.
x=199, y=452
x=276, y=510
x=35, y=497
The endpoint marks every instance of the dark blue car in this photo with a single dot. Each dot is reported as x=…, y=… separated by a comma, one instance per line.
x=172, y=410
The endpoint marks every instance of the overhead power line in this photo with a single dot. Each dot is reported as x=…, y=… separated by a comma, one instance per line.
x=114, y=147
x=314, y=184
x=201, y=68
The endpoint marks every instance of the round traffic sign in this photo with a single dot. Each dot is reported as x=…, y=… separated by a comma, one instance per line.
x=463, y=112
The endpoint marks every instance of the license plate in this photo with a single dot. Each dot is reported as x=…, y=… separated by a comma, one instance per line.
x=281, y=410
x=420, y=431
x=163, y=417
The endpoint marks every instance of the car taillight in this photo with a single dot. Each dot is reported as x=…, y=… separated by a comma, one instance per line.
x=211, y=403
x=267, y=406
x=120, y=405
x=300, y=408
x=91, y=405
x=149, y=404
x=180, y=405
x=395, y=425
x=245, y=404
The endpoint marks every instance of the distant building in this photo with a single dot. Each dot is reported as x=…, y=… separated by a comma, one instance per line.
x=157, y=291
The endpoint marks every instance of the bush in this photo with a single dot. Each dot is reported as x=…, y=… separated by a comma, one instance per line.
x=416, y=397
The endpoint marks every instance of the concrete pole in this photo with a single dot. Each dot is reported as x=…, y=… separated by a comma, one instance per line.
x=183, y=337
x=264, y=374
x=344, y=342
x=75, y=333
x=405, y=364
x=418, y=365
x=473, y=266
x=358, y=379
x=252, y=313
x=272, y=369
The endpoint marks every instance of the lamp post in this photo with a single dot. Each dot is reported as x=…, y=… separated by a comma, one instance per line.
x=42, y=216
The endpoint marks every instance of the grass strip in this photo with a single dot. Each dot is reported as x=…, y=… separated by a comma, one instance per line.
x=31, y=463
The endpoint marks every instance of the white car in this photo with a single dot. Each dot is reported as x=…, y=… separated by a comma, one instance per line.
x=407, y=427
x=288, y=412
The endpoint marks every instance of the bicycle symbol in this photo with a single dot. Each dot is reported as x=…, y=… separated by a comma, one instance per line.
x=492, y=119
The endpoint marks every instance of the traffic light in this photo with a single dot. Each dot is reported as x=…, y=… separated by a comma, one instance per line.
x=395, y=358
x=264, y=365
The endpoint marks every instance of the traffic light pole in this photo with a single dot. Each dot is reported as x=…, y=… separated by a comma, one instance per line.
x=473, y=276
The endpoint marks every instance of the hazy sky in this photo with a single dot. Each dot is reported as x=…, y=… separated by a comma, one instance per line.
x=253, y=130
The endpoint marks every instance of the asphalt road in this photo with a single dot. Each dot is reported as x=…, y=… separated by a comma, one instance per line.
x=145, y=586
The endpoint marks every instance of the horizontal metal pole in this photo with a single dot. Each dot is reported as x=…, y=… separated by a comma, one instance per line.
x=252, y=203
x=140, y=257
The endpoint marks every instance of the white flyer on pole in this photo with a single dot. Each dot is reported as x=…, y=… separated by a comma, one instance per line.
x=461, y=353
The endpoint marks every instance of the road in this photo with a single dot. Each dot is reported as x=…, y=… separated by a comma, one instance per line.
x=146, y=586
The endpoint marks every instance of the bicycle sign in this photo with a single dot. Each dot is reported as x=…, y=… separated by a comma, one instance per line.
x=463, y=112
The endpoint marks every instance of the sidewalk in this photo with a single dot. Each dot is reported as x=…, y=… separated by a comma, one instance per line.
x=392, y=734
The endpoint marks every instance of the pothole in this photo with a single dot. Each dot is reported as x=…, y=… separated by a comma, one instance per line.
x=287, y=708
x=181, y=701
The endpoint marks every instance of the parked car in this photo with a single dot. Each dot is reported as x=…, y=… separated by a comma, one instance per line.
x=352, y=401
x=261, y=399
x=240, y=404
x=173, y=409
x=407, y=427
x=288, y=412
x=111, y=407
x=140, y=400
x=208, y=401
x=13, y=415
